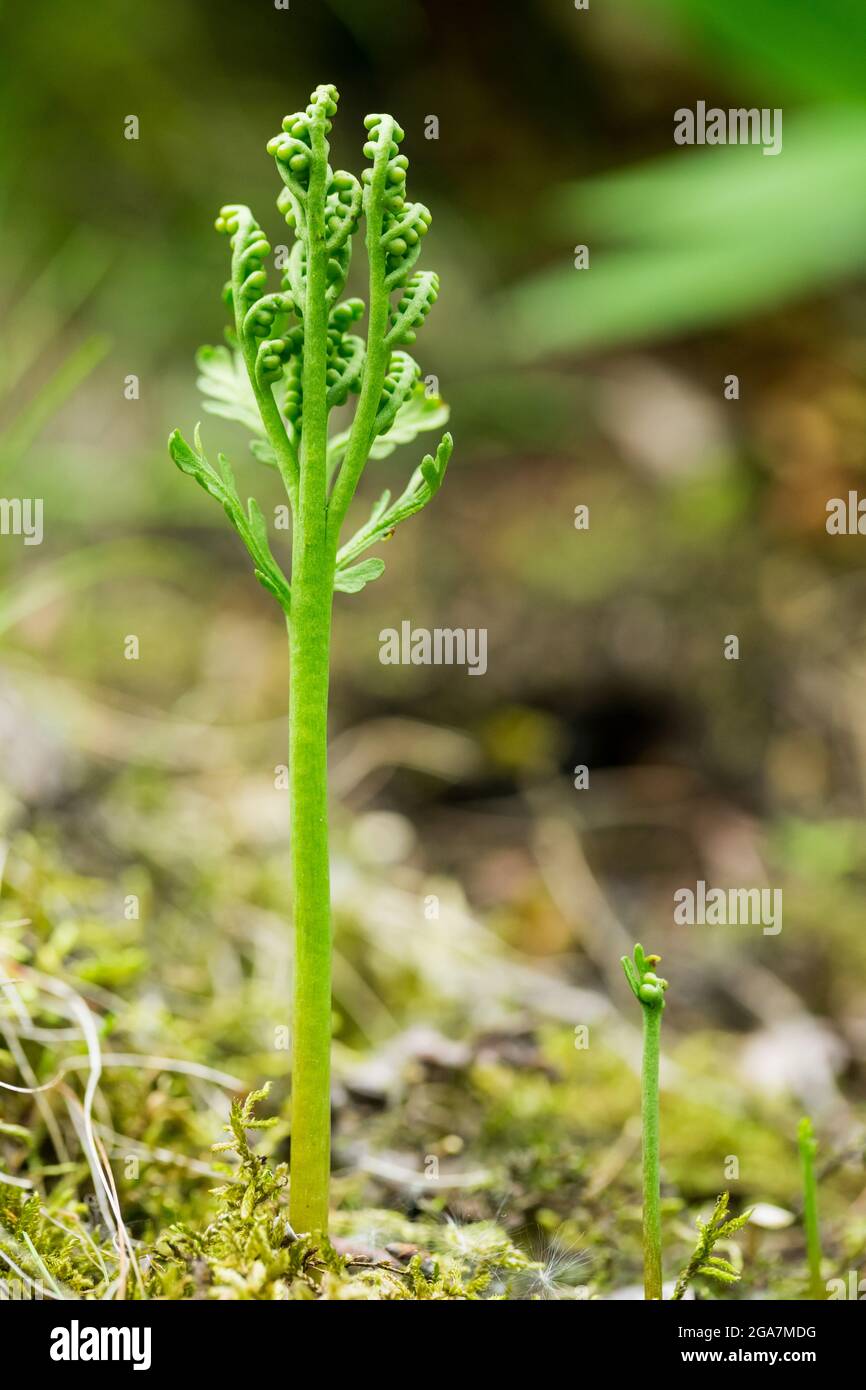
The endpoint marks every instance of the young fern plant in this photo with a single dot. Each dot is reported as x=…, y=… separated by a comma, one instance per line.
x=649, y=991
x=293, y=356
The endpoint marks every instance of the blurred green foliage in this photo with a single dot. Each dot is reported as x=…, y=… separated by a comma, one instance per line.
x=695, y=239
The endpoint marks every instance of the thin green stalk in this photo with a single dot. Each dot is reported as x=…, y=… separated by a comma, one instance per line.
x=309, y=642
x=649, y=990
x=652, y=1221
x=301, y=359
x=808, y=1151
x=308, y=789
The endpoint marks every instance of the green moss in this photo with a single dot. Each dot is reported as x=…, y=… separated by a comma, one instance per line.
x=549, y=1130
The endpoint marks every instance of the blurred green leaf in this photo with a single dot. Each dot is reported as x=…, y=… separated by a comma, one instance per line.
x=52, y=395
x=703, y=239
x=818, y=49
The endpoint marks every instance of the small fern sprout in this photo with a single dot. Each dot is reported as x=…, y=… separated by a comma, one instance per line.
x=294, y=353
x=649, y=990
x=256, y=1183
x=704, y=1261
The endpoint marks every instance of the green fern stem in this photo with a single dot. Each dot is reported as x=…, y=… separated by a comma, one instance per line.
x=808, y=1150
x=309, y=643
x=648, y=989
x=652, y=1228
x=313, y=562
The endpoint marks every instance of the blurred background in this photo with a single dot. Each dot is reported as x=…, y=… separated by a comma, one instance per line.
x=151, y=781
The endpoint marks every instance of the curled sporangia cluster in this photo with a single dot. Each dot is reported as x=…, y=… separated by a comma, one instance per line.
x=270, y=327
x=342, y=214
x=416, y=301
x=260, y=319
x=302, y=340
x=293, y=394
x=271, y=358
x=295, y=149
x=404, y=224
x=652, y=987
x=249, y=246
x=342, y=209
x=647, y=987
x=300, y=148
x=346, y=352
x=401, y=240
x=403, y=373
